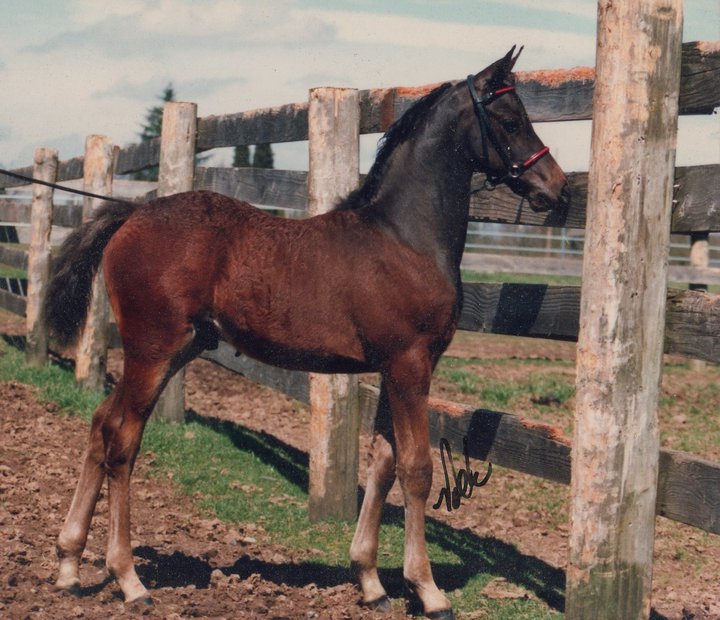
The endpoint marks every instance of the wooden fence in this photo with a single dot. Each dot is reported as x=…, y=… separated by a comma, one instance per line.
x=688, y=488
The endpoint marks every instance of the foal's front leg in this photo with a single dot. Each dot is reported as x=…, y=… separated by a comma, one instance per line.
x=408, y=384
x=380, y=478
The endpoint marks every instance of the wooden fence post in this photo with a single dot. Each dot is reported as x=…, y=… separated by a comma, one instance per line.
x=177, y=170
x=333, y=142
x=45, y=169
x=620, y=344
x=91, y=353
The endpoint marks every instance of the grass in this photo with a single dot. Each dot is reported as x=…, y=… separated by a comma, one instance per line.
x=519, y=278
x=540, y=387
x=694, y=411
x=243, y=476
x=54, y=384
x=531, y=278
x=7, y=271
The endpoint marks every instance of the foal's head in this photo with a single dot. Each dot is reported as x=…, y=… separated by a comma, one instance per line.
x=503, y=144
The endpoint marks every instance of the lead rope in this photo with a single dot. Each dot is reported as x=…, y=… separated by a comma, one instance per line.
x=63, y=188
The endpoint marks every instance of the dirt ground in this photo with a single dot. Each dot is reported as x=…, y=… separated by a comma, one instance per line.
x=200, y=567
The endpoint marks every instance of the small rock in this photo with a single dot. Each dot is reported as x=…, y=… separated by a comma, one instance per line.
x=217, y=578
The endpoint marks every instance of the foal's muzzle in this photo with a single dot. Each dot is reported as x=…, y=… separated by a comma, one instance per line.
x=542, y=200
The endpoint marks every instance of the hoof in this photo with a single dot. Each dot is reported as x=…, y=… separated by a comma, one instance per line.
x=382, y=604
x=441, y=614
x=142, y=602
x=69, y=584
x=72, y=589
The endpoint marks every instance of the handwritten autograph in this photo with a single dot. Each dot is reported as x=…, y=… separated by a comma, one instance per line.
x=464, y=480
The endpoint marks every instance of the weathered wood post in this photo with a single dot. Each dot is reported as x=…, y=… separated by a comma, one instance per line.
x=333, y=142
x=91, y=352
x=620, y=344
x=177, y=169
x=45, y=165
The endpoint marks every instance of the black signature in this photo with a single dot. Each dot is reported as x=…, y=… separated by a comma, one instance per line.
x=465, y=480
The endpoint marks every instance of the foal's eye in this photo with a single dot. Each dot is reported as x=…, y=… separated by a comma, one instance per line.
x=510, y=125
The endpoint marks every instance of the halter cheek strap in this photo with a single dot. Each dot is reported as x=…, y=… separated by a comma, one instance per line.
x=513, y=170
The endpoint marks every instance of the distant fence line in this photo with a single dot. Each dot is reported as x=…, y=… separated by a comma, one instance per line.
x=492, y=240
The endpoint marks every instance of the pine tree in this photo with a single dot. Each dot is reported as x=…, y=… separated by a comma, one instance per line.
x=263, y=156
x=151, y=129
x=241, y=158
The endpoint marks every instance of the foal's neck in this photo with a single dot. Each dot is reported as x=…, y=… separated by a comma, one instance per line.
x=423, y=197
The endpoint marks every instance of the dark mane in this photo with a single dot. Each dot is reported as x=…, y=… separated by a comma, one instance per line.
x=398, y=132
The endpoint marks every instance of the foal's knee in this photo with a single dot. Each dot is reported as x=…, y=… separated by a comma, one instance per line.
x=121, y=431
x=416, y=477
x=70, y=543
x=121, y=444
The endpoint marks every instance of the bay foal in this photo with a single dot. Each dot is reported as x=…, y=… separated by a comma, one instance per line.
x=372, y=286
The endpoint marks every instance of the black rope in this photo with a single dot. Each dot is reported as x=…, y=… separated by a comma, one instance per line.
x=63, y=188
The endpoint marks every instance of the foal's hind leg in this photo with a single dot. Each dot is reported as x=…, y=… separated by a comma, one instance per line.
x=381, y=476
x=74, y=533
x=115, y=438
x=137, y=394
x=114, y=442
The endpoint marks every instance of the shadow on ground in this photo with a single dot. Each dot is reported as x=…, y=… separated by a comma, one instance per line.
x=479, y=554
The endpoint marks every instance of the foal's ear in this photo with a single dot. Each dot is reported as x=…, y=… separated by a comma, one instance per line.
x=509, y=60
x=499, y=72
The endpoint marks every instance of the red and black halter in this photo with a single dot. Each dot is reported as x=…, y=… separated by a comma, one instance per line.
x=513, y=170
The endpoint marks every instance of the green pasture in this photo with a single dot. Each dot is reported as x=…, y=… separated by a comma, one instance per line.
x=6, y=271
x=519, y=278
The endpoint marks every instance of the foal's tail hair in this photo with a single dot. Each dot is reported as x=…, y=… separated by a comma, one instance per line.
x=70, y=288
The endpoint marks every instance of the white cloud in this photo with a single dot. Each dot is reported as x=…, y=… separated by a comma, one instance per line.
x=161, y=28
x=581, y=8
x=186, y=89
x=542, y=47
x=88, y=12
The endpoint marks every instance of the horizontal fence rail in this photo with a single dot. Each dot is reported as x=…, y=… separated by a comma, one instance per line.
x=696, y=208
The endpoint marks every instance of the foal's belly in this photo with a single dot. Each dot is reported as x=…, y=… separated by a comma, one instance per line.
x=308, y=357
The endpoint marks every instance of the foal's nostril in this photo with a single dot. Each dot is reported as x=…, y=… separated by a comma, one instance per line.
x=542, y=202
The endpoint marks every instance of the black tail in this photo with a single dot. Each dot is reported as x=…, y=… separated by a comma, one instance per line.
x=70, y=288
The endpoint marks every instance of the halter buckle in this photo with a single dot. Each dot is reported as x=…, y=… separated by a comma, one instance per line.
x=488, y=185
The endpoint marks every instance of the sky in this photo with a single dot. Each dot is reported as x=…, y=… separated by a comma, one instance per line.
x=69, y=68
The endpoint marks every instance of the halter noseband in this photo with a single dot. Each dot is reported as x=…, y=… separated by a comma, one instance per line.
x=513, y=170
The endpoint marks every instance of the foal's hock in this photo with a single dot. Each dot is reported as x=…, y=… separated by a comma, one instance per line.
x=372, y=286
